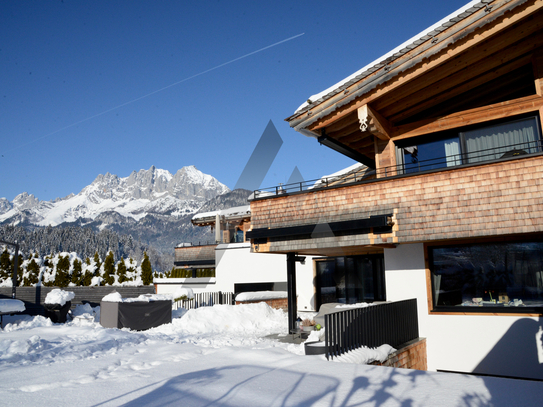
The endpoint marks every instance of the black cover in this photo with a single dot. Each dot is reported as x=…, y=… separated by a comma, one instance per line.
x=144, y=315
x=56, y=312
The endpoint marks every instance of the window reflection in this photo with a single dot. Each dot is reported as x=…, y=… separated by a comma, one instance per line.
x=350, y=280
x=502, y=140
x=488, y=275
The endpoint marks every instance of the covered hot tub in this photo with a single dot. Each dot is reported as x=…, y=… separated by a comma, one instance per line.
x=138, y=314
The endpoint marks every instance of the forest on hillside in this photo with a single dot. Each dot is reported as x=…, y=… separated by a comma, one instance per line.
x=85, y=242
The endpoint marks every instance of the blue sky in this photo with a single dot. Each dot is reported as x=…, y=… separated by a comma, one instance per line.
x=73, y=76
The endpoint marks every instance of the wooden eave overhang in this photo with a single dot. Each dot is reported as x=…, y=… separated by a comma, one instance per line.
x=483, y=57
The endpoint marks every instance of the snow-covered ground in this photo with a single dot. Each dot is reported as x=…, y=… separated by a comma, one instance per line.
x=215, y=356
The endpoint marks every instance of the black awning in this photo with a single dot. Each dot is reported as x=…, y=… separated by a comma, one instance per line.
x=362, y=226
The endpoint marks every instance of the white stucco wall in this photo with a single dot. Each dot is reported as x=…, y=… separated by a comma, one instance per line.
x=198, y=285
x=236, y=264
x=491, y=344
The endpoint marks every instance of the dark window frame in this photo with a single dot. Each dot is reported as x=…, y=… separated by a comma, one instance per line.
x=458, y=134
x=489, y=309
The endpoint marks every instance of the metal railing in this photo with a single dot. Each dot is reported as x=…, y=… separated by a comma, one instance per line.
x=205, y=300
x=393, y=323
x=405, y=169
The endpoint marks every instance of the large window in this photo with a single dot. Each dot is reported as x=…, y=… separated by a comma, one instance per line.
x=350, y=280
x=476, y=144
x=487, y=276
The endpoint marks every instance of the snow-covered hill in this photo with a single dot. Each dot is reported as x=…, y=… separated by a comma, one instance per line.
x=146, y=192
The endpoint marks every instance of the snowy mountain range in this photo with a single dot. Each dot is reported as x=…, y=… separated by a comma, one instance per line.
x=146, y=192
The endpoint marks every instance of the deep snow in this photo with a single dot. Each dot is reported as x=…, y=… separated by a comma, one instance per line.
x=215, y=356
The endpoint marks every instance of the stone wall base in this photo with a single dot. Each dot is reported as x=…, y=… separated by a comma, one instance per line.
x=410, y=356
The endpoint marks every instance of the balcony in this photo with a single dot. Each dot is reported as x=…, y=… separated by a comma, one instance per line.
x=415, y=167
x=489, y=192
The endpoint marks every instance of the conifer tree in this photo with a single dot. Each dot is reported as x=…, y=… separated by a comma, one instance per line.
x=33, y=273
x=20, y=270
x=77, y=274
x=5, y=265
x=131, y=269
x=146, y=270
x=86, y=280
x=109, y=269
x=48, y=272
x=62, y=277
x=97, y=263
x=121, y=271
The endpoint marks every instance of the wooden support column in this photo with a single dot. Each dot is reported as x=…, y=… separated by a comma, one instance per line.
x=385, y=153
x=385, y=158
x=291, y=291
x=537, y=65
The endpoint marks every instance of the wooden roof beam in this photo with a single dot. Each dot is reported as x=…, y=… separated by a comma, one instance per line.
x=351, y=132
x=372, y=122
x=363, y=143
x=346, y=150
x=461, y=83
x=472, y=116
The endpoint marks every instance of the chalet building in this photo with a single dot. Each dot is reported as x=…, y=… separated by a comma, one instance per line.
x=447, y=203
x=227, y=264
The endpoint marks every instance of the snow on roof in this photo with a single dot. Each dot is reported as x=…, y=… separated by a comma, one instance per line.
x=405, y=47
x=234, y=212
x=344, y=173
x=261, y=295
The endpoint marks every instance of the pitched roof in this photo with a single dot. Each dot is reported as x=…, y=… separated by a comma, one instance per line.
x=466, y=15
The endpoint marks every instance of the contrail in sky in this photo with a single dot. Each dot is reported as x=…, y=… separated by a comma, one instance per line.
x=157, y=91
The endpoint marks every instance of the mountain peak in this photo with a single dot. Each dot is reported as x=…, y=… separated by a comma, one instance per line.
x=146, y=191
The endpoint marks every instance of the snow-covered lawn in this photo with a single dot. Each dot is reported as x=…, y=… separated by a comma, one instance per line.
x=216, y=356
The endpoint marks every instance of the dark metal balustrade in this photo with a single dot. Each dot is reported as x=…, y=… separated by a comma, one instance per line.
x=393, y=323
